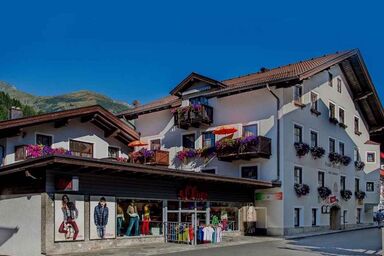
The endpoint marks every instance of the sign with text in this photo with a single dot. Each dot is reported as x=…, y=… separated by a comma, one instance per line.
x=192, y=193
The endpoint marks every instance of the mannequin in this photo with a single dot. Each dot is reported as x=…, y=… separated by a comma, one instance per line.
x=133, y=219
x=146, y=219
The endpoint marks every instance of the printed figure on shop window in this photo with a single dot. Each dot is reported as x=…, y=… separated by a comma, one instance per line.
x=101, y=214
x=146, y=218
x=70, y=213
x=120, y=219
x=133, y=219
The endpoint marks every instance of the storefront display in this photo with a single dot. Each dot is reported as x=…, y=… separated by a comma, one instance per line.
x=102, y=217
x=139, y=217
x=226, y=213
x=69, y=217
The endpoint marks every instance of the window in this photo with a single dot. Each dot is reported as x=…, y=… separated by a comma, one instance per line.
x=332, y=145
x=80, y=148
x=155, y=144
x=44, y=140
x=345, y=215
x=371, y=157
x=250, y=130
x=339, y=85
x=314, y=101
x=298, y=133
x=314, y=217
x=330, y=79
x=332, y=110
x=356, y=154
x=298, y=175
x=357, y=184
x=321, y=179
x=356, y=125
x=341, y=116
x=199, y=100
x=342, y=182
x=20, y=152
x=208, y=139
x=341, y=148
x=113, y=152
x=314, y=139
x=358, y=215
x=297, y=93
x=249, y=172
x=225, y=211
x=370, y=187
x=210, y=171
x=297, y=217
x=189, y=140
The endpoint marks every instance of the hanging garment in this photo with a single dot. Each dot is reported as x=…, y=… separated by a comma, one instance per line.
x=214, y=236
x=191, y=233
x=251, y=214
x=186, y=235
x=219, y=234
x=208, y=231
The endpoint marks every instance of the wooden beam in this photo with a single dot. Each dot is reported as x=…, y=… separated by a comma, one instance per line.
x=363, y=96
x=112, y=132
x=85, y=119
x=11, y=132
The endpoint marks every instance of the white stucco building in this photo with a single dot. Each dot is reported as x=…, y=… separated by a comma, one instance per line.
x=328, y=102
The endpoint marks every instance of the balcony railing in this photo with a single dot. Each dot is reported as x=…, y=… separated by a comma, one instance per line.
x=160, y=157
x=150, y=157
x=193, y=116
x=256, y=147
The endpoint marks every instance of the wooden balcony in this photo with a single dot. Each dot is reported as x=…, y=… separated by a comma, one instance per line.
x=202, y=117
x=160, y=157
x=260, y=149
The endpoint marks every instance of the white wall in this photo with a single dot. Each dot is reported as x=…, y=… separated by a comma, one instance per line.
x=20, y=225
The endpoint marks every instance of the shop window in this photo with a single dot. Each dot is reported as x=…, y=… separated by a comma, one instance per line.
x=320, y=179
x=226, y=213
x=314, y=139
x=173, y=205
x=358, y=215
x=371, y=157
x=189, y=140
x=332, y=145
x=296, y=217
x=341, y=148
x=210, y=171
x=357, y=184
x=80, y=148
x=342, y=182
x=142, y=217
x=339, y=85
x=314, y=217
x=250, y=130
x=298, y=175
x=332, y=110
x=341, y=116
x=155, y=144
x=249, y=172
x=113, y=152
x=298, y=133
x=208, y=139
x=188, y=205
x=314, y=101
x=45, y=140
x=370, y=187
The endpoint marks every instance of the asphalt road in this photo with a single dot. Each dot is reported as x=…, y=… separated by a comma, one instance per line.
x=360, y=242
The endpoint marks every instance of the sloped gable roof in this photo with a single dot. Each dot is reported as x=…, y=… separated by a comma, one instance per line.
x=193, y=77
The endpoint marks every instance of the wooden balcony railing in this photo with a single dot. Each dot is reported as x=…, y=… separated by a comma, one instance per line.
x=261, y=148
x=160, y=157
x=187, y=117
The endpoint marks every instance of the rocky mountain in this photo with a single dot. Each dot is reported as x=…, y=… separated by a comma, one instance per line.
x=64, y=101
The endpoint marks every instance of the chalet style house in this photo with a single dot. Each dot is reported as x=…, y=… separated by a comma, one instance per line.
x=278, y=152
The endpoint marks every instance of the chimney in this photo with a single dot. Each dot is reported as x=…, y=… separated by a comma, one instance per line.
x=263, y=69
x=15, y=112
x=136, y=103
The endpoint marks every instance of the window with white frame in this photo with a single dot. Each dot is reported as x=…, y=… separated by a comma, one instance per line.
x=296, y=217
x=298, y=133
x=298, y=175
x=249, y=172
x=358, y=215
x=357, y=184
x=330, y=79
x=298, y=93
x=314, y=101
x=321, y=179
x=370, y=187
x=342, y=182
x=314, y=139
x=341, y=116
x=345, y=215
x=339, y=85
x=155, y=144
x=371, y=157
x=250, y=130
x=208, y=139
x=189, y=140
x=356, y=154
x=332, y=110
x=356, y=122
x=113, y=152
x=332, y=145
x=314, y=217
x=43, y=139
x=341, y=148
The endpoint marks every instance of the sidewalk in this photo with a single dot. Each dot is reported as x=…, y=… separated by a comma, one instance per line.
x=164, y=248
x=326, y=232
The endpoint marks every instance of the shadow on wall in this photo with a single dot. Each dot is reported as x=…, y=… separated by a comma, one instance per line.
x=7, y=233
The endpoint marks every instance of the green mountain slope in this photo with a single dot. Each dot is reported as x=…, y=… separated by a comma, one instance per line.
x=65, y=101
x=6, y=102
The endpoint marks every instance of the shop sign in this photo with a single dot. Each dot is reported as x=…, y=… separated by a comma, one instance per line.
x=263, y=196
x=192, y=193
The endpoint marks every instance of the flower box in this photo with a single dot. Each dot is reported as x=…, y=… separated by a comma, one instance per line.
x=301, y=189
x=360, y=195
x=334, y=158
x=359, y=165
x=346, y=194
x=194, y=115
x=35, y=151
x=342, y=125
x=316, y=112
x=324, y=192
x=142, y=156
x=345, y=160
x=333, y=120
x=301, y=149
x=317, y=152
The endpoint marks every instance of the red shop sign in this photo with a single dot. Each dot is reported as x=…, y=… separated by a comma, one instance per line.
x=192, y=193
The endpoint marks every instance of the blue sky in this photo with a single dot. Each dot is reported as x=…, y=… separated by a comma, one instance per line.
x=142, y=49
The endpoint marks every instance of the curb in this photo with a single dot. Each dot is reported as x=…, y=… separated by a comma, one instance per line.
x=301, y=236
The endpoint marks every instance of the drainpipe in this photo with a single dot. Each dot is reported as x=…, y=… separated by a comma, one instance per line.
x=278, y=130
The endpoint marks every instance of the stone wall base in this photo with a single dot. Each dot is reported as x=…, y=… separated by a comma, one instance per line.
x=302, y=230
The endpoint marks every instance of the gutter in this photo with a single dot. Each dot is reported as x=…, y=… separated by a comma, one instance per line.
x=278, y=132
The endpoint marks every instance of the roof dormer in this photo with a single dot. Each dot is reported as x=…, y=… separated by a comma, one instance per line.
x=195, y=83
